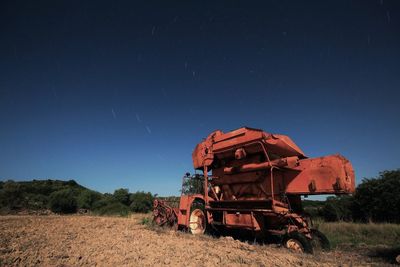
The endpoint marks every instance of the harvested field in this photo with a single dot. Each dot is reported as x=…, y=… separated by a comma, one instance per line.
x=112, y=241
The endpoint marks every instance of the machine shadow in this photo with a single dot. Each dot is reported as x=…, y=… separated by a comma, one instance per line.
x=386, y=254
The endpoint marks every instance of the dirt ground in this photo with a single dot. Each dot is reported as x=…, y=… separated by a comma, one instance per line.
x=112, y=241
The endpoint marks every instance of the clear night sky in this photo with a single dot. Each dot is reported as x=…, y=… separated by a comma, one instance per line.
x=117, y=94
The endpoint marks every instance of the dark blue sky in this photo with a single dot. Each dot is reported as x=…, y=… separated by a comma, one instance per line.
x=117, y=94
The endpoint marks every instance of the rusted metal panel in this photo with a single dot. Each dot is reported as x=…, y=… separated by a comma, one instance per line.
x=185, y=205
x=325, y=175
x=218, y=142
x=184, y=210
x=289, y=162
x=239, y=220
x=257, y=181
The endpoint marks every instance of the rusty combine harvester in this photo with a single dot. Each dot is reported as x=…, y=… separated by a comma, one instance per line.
x=256, y=185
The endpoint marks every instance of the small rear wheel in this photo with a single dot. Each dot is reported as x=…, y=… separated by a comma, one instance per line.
x=298, y=242
x=319, y=240
x=197, y=219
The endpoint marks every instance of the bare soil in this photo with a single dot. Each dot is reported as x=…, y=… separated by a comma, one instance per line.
x=111, y=241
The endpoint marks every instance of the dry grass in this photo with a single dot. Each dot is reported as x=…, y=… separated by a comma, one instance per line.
x=345, y=234
x=376, y=241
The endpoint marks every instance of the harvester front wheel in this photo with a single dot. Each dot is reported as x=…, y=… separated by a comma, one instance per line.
x=319, y=240
x=298, y=242
x=198, y=219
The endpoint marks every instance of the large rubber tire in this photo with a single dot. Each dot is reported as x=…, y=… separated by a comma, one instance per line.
x=298, y=242
x=198, y=218
x=319, y=240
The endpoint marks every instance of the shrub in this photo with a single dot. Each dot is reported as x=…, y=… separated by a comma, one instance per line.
x=11, y=195
x=122, y=196
x=378, y=199
x=88, y=198
x=63, y=201
x=36, y=201
x=146, y=221
x=113, y=208
x=338, y=209
x=192, y=185
x=141, y=201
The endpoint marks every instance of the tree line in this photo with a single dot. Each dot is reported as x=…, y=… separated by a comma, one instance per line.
x=69, y=197
x=375, y=200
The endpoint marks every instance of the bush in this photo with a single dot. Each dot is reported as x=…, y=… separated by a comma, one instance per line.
x=141, y=202
x=36, y=201
x=122, y=196
x=113, y=208
x=375, y=200
x=11, y=195
x=338, y=209
x=193, y=185
x=88, y=198
x=313, y=208
x=378, y=199
x=63, y=201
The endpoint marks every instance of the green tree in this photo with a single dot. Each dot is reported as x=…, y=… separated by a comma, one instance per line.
x=63, y=201
x=141, y=201
x=122, y=196
x=11, y=195
x=338, y=208
x=378, y=199
x=193, y=185
x=36, y=201
x=87, y=198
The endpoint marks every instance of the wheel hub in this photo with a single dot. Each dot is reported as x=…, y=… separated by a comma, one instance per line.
x=197, y=222
x=294, y=245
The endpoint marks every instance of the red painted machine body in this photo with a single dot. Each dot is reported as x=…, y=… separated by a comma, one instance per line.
x=257, y=180
x=252, y=164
